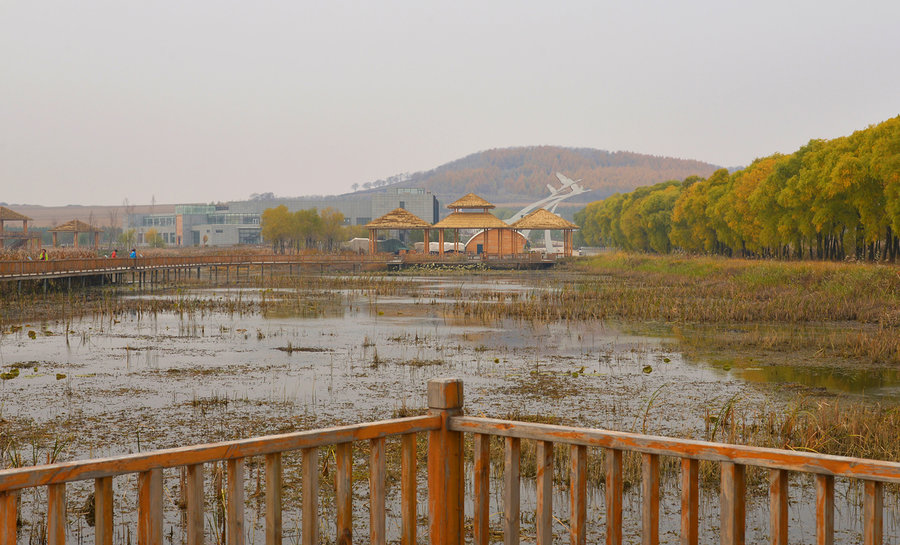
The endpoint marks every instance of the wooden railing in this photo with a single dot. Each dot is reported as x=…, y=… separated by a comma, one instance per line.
x=23, y=268
x=446, y=427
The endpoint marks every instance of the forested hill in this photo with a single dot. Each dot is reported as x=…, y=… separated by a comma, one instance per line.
x=522, y=174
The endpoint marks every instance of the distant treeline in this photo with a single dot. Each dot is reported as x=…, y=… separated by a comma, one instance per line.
x=831, y=199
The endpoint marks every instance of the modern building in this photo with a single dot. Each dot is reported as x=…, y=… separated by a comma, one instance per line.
x=197, y=225
x=238, y=222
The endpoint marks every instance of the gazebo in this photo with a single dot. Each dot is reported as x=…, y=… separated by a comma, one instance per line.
x=76, y=227
x=399, y=220
x=13, y=236
x=543, y=220
x=478, y=218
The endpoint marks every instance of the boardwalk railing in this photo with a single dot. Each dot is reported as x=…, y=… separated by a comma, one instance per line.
x=64, y=267
x=446, y=427
x=24, y=269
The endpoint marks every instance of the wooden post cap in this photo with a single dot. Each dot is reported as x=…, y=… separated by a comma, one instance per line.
x=445, y=393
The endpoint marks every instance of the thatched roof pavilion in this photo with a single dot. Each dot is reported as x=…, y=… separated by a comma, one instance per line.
x=76, y=227
x=470, y=201
x=397, y=219
x=471, y=220
x=11, y=215
x=541, y=219
x=478, y=218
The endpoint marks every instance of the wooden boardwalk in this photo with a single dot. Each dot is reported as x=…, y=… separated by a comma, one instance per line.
x=446, y=427
x=212, y=264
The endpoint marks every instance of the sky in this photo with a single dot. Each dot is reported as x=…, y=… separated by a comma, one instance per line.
x=201, y=101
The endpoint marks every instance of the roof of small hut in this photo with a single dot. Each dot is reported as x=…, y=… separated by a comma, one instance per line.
x=9, y=215
x=542, y=219
x=398, y=219
x=471, y=220
x=470, y=201
x=75, y=226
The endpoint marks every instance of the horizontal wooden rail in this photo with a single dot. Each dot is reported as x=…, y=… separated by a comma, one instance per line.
x=838, y=466
x=11, y=479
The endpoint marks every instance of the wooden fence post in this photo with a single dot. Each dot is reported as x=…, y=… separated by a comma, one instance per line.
x=445, y=464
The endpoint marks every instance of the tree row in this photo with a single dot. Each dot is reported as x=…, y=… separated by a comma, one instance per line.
x=831, y=199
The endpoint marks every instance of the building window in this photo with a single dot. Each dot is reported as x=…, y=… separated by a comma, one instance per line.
x=403, y=205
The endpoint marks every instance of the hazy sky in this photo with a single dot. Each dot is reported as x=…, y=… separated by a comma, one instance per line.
x=214, y=100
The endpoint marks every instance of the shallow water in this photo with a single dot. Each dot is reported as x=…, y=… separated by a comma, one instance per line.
x=143, y=381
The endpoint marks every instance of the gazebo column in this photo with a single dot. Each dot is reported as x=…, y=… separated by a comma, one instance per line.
x=75, y=239
x=456, y=241
x=55, y=240
x=427, y=248
x=2, y=241
x=372, y=239
x=441, y=242
x=96, y=240
x=25, y=226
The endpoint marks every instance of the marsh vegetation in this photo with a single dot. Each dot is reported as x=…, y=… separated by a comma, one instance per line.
x=790, y=355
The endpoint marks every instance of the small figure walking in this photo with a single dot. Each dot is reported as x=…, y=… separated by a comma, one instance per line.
x=43, y=256
x=113, y=254
x=133, y=253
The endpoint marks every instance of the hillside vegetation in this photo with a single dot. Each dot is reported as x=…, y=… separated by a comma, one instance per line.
x=522, y=174
x=831, y=199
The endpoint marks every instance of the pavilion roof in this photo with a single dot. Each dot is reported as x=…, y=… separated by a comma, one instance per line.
x=75, y=226
x=470, y=201
x=9, y=215
x=542, y=219
x=398, y=219
x=471, y=220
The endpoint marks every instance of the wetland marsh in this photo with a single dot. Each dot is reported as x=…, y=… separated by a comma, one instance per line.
x=114, y=373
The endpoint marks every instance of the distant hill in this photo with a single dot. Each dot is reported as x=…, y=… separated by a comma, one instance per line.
x=518, y=175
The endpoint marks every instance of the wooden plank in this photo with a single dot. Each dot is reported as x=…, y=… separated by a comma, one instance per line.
x=8, y=518
x=840, y=466
x=376, y=493
x=482, y=489
x=150, y=507
x=234, y=505
x=778, y=507
x=343, y=484
x=408, y=482
x=195, y=504
x=445, y=465
x=511, y=488
x=824, y=510
x=273, y=498
x=544, y=486
x=56, y=514
x=11, y=479
x=614, y=489
x=103, y=511
x=310, y=524
x=578, y=494
x=690, y=501
x=649, y=499
x=873, y=513
x=731, y=504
